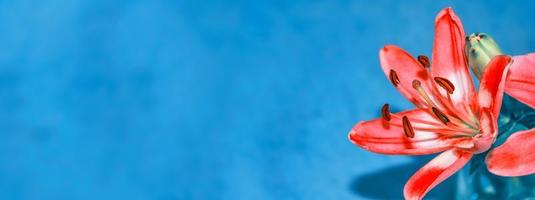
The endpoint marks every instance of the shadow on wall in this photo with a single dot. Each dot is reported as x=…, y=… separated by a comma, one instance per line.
x=388, y=183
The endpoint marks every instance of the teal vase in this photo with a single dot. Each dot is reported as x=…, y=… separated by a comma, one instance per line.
x=474, y=181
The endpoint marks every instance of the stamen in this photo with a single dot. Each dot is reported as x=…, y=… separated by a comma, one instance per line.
x=394, y=78
x=424, y=60
x=385, y=112
x=446, y=84
x=407, y=127
x=417, y=85
x=440, y=115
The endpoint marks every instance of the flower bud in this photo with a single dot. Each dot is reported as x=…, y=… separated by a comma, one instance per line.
x=480, y=49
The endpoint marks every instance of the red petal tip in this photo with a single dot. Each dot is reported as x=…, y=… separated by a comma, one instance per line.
x=447, y=12
x=386, y=48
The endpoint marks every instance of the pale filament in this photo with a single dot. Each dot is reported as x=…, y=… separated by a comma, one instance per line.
x=442, y=131
x=449, y=106
x=417, y=124
x=417, y=85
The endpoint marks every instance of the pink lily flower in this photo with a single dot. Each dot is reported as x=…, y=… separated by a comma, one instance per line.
x=450, y=116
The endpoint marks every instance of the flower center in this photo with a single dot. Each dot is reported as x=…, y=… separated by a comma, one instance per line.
x=438, y=104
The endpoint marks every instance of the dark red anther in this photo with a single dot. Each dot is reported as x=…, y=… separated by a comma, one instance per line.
x=441, y=116
x=407, y=127
x=394, y=78
x=424, y=60
x=385, y=112
x=446, y=84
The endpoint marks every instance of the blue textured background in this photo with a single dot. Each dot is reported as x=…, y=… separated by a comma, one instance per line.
x=213, y=99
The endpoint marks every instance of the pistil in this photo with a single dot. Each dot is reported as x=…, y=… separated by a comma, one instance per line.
x=417, y=85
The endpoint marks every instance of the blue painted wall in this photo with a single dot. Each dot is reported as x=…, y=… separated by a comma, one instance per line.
x=211, y=99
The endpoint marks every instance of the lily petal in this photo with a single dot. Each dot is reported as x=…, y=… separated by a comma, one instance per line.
x=406, y=68
x=521, y=79
x=434, y=172
x=492, y=84
x=388, y=137
x=515, y=157
x=489, y=130
x=449, y=60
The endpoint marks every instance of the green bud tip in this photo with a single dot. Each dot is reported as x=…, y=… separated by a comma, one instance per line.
x=480, y=49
